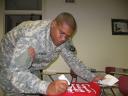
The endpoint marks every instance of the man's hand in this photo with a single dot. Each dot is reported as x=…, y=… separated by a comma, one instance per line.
x=57, y=87
x=31, y=52
x=97, y=78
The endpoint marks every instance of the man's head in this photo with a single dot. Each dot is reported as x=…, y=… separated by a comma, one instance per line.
x=62, y=28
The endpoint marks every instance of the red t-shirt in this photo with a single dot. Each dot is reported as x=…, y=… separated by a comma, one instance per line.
x=83, y=89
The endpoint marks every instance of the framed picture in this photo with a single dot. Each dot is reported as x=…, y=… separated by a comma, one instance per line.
x=119, y=26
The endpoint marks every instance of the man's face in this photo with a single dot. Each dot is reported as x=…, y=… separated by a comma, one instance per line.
x=60, y=33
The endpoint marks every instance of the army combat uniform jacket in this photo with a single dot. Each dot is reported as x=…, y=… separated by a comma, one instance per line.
x=16, y=66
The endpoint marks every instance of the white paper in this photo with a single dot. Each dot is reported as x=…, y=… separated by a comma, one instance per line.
x=109, y=80
x=62, y=77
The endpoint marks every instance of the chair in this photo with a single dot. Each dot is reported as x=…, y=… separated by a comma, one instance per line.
x=73, y=76
x=108, y=70
x=123, y=85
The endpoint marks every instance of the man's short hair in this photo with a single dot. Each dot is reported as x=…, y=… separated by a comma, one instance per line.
x=66, y=18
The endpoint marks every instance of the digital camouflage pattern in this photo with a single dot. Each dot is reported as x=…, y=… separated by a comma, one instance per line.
x=16, y=66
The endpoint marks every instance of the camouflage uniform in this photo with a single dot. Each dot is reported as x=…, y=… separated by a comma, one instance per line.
x=16, y=66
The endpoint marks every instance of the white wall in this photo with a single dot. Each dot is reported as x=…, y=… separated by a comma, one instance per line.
x=96, y=45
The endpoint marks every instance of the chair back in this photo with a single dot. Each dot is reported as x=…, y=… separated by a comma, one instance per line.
x=73, y=76
x=123, y=85
x=108, y=70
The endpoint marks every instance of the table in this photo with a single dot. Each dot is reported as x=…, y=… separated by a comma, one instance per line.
x=119, y=73
x=49, y=74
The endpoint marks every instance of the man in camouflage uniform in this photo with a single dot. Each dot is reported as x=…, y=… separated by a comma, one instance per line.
x=33, y=45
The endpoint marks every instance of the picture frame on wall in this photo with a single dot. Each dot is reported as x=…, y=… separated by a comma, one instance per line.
x=119, y=26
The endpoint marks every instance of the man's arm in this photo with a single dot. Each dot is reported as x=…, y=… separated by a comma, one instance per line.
x=22, y=78
x=76, y=65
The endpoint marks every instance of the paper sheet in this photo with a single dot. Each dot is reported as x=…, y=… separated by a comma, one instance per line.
x=109, y=80
x=62, y=77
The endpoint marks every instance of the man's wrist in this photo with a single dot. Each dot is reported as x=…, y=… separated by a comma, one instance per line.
x=43, y=87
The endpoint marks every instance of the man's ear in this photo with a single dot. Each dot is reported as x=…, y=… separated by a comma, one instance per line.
x=53, y=24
